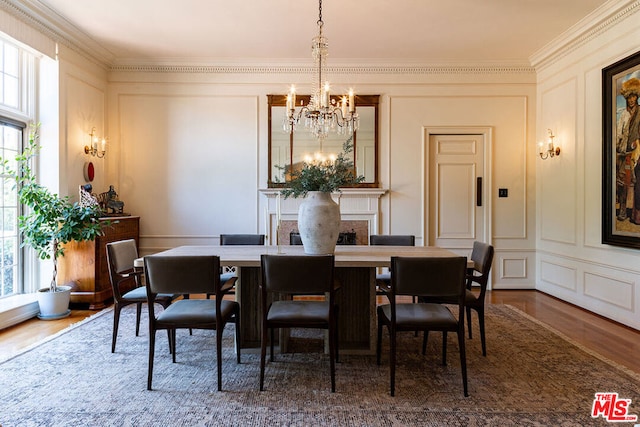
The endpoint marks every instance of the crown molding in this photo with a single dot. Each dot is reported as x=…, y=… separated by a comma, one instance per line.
x=347, y=70
x=592, y=26
x=47, y=21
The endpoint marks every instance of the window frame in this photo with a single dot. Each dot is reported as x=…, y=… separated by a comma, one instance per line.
x=18, y=116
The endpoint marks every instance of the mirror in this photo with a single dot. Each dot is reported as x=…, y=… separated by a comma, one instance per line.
x=286, y=149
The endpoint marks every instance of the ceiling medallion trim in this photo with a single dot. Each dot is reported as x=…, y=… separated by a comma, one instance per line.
x=415, y=70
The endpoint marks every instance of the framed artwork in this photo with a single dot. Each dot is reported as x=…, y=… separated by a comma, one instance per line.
x=621, y=153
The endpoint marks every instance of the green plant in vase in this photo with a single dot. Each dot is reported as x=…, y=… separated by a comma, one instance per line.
x=326, y=176
x=319, y=215
x=50, y=220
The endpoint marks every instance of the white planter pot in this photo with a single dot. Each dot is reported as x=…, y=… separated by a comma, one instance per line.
x=319, y=223
x=54, y=305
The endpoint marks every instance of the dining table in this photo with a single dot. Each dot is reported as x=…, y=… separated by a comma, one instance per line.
x=355, y=267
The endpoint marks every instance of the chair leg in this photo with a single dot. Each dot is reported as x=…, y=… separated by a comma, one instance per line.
x=116, y=321
x=468, y=309
x=332, y=356
x=424, y=342
x=219, y=330
x=414, y=299
x=152, y=345
x=138, y=313
x=379, y=342
x=263, y=354
x=482, y=336
x=173, y=345
x=336, y=337
x=444, y=348
x=463, y=361
x=237, y=325
x=271, y=344
x=392, y=362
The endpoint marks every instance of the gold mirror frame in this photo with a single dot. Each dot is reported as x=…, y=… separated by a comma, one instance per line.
x=365, y=161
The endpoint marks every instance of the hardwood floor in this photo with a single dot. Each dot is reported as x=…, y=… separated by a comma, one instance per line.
x=22, y=335
x=612, y=340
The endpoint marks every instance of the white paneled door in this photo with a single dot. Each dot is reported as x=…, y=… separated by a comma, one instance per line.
x=456, y=199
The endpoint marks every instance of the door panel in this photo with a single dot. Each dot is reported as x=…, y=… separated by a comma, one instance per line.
x=456, y=212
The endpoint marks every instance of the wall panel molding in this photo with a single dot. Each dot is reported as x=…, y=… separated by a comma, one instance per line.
x=610, y=290
x=559, y=275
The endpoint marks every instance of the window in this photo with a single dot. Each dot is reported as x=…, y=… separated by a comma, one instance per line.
x=10, y=254
x=16, y=84
x=10, y=75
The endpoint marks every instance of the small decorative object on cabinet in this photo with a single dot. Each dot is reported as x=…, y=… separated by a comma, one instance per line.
x=84, y=265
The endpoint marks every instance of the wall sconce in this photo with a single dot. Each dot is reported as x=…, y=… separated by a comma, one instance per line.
x=551, y=150
x=93, y=148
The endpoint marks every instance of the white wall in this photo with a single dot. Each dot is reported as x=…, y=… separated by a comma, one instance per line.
x=573, y=264
x=82, y=106
x=508, y=110
x=192, y=150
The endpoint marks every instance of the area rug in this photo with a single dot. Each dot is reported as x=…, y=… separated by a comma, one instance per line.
x=531, y=376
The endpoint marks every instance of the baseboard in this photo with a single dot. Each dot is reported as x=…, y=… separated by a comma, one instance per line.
x=16, y=309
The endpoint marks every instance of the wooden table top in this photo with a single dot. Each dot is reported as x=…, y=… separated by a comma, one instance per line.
x=345, y=256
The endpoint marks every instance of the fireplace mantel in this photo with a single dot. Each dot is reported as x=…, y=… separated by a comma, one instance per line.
x=356, y=204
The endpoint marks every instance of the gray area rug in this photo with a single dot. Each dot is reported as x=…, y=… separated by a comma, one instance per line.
x=531, y=376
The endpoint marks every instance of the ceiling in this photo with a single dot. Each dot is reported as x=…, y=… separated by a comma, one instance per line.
x=359, y=31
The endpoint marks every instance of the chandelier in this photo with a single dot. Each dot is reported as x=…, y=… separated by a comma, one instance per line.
x=322, y=114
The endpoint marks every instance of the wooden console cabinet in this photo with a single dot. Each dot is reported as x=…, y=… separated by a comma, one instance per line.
x=84, y=264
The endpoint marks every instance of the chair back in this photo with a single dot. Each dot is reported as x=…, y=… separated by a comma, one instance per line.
x=241, y=239
x=297, y=274
x=482, y=257
x=392, y=240
x=438, y=277
x=121, y=256
x=183, y=274
x=295, y=239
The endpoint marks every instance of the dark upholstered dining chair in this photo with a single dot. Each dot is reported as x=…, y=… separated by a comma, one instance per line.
x=233, y=240
x=241, y=239
x=384, y=278
x=424, y=277
x=122, y=275
x=288, y=275
x=189, y=275
x=482, y=257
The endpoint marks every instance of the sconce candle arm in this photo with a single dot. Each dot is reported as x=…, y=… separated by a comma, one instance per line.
x=551, y=150
x=93, y=148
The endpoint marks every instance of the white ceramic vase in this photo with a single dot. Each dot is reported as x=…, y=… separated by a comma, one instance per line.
x=319, y=223
x=54, y=305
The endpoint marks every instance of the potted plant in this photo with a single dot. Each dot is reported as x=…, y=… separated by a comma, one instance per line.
x=319, y=215
x=49, y=223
